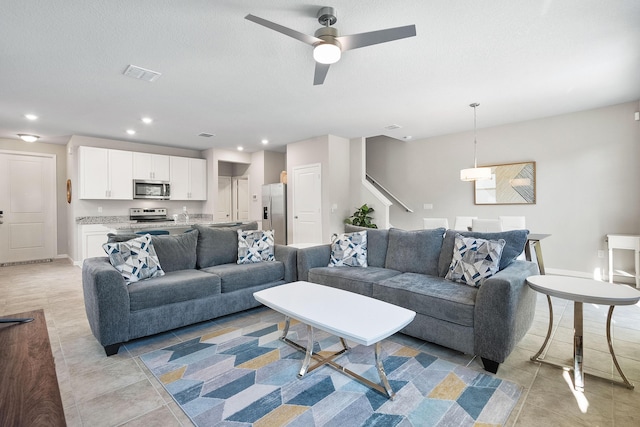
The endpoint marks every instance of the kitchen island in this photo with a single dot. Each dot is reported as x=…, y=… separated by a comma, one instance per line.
x=93, y=230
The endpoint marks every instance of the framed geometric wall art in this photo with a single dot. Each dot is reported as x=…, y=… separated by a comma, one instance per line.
x=510, y=184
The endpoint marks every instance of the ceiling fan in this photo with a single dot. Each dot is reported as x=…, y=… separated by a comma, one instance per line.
x=328, y=45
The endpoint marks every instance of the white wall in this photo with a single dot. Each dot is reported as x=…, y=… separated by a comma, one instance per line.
x=587, y=179
x=332, y=153
x=214, y=157
x=361, y=190
x=274, y=164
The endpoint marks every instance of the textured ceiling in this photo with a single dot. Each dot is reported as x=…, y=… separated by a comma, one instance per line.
x=221, y=74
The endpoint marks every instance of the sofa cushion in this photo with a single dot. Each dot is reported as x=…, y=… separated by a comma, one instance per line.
x=234, y=277
x=135, y=259
x=377, y=242
x=175, y=251
x=358, y=280
x=173, y=287
x=349, y=250
x=514, y=245
x=474, y=260
x=430, y=296
x=218, y=245
x=414, y=251
x=255, y=246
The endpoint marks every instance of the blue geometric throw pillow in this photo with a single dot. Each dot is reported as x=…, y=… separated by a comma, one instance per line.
x=474, y=260
x=135, y=259
x=255, y=246
x=349, y=249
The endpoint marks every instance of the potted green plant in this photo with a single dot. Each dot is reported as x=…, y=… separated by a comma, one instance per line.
x=361, y=217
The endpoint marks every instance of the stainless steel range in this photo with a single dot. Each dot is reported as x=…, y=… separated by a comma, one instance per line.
x=148, y=214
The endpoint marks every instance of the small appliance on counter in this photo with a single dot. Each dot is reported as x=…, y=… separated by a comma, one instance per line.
x=148, y=214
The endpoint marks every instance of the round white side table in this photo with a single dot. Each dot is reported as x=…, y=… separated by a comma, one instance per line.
x=581, y=291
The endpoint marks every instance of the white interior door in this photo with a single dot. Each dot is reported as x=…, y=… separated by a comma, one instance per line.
x=223, y=207
x=307, y=204
x=240, y=187
x=27, y=201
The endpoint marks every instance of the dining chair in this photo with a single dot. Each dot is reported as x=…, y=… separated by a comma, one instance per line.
x=463, y=223
x=486, y=225
x=431, y=223
x=512, y=222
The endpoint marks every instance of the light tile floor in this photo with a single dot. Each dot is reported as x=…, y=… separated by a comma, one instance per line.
x=119, y=390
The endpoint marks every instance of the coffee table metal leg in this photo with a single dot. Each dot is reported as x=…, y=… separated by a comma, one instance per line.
x=344, y=344
x=578, y=373
x=285, y=331
x=381, y=372
x=328, y=360
x=625, y=381
x=309, y=352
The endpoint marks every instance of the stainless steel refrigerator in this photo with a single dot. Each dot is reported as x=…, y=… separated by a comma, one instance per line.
x=274, y=211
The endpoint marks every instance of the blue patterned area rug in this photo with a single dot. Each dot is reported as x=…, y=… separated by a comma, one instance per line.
x=247, y=377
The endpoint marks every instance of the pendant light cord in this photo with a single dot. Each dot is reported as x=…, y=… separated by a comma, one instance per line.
x=475, y=131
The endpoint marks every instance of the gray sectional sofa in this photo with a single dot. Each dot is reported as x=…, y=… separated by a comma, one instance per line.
x=408, y=268
x=202, y=281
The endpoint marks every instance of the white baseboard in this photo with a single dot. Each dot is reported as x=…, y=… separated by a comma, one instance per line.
x=618, y=279
x=572, y=273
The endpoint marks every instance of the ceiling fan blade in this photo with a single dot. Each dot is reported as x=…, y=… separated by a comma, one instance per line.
x=320, y=74
x=356, y=41
x=310, y=40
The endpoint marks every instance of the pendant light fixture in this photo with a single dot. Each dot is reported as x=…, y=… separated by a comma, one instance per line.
x=475, y=173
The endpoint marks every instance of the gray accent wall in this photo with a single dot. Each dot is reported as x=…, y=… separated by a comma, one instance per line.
x=588, y=179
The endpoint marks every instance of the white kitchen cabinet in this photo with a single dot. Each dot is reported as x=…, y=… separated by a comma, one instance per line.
x=105, y=174
x=188, y=178
x=151, y=166
x=92, y=237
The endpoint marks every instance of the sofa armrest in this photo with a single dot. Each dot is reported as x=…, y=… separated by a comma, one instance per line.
x=505, y=307
x=106, y=301
x=289, y=257
x=311, y=257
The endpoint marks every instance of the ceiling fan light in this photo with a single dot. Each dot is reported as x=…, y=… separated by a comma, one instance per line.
x=28, y=138
x=326, y=53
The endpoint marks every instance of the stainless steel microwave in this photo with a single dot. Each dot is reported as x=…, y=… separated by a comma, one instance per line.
x=158, y=190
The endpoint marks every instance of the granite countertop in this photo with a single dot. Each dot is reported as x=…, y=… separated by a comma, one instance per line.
x=124, y=223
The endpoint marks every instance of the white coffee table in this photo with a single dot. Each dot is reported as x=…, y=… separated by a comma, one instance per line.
x=582, y=291
x=349, y=316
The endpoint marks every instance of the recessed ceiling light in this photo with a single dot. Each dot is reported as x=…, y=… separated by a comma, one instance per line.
x=31, y=117
x=406, y=138
x=392, y=127
x=206, y=134
x=131, y=131
x=28, y=138
x=240, y=148
x=265, y=141
x=147, y=120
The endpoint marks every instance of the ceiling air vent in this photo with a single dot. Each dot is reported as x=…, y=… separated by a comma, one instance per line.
x=206, y=135
x=392, y=127
x=141, y=73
